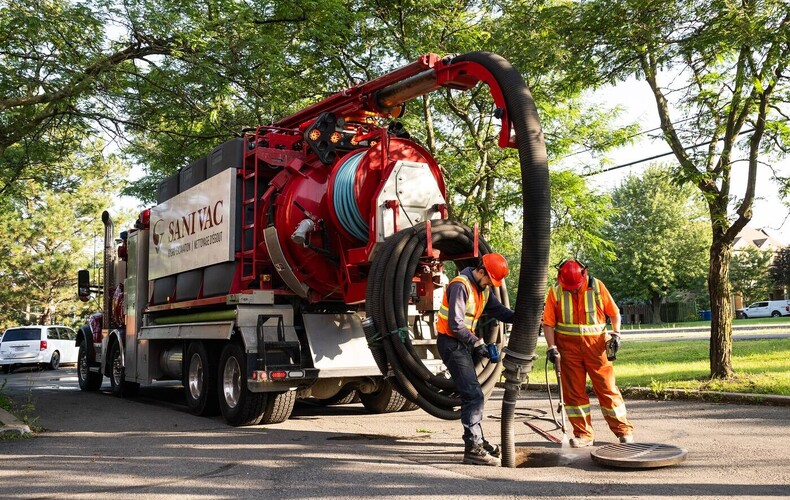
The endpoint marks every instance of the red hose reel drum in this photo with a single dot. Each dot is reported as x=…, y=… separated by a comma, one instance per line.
x=373, y=168
x=312, y=191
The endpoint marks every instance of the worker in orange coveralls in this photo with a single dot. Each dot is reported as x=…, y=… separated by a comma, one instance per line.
x=574, y=322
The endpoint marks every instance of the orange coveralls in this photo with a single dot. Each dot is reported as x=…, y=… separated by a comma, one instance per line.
x=583, y=352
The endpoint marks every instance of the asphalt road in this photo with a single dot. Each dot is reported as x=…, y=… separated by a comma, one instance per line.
x=97, y=446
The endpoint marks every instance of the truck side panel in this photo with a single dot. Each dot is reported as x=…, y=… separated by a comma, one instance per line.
x=136, y=298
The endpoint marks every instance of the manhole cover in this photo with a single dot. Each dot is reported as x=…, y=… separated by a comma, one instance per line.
x=639, y=455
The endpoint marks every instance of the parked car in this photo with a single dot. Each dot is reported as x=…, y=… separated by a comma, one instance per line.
x=765, y=309
x=48, y=345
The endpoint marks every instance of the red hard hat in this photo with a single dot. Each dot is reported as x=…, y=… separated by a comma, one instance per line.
x=496, y=267
x=571, y=275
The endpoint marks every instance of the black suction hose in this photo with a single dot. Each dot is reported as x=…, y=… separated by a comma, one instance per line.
x=386, y=303
x=395, y=264
x=520, y=351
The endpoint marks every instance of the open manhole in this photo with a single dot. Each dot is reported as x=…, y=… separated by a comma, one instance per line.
x=639, y=455
x=532, y=457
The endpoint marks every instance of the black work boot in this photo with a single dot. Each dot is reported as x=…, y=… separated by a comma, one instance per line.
x=492, y=449
x=477, y=455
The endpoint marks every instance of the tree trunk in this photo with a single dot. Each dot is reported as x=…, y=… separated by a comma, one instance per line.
x=721, y=309
x=655, y=302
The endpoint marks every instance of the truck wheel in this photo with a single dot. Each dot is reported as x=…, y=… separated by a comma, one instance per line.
x=89, y=381
x=119, y=386
x=200, y=380
x=409, y=406
x=775, y=314
x=54, y=362
x=238, y=404
x=344, y=397
x=278, y=407
x=385, y=400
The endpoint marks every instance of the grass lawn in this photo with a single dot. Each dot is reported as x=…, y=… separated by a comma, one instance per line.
x=761, y=366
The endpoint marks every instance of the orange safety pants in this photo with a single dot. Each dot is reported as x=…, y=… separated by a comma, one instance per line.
x=582, y=355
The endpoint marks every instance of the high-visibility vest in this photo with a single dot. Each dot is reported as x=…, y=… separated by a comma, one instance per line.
x=592, y=302
x=474, y=306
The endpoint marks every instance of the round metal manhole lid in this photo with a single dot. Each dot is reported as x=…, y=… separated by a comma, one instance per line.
x=639, y=455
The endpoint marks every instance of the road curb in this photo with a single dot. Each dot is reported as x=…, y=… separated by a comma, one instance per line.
x=669, y=394
x=9, y=424
x=708, y=396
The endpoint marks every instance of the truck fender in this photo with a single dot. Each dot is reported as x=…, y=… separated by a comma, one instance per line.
x=84, y=334
x=107, y=343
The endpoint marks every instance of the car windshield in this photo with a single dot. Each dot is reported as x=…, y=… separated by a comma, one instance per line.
x=22, y=334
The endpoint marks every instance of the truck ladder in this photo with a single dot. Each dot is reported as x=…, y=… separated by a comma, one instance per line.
x=250, y=196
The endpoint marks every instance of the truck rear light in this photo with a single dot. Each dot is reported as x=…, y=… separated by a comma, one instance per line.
x=278, y=375
x=259, y=375
x=296, y=374
x=43, y=346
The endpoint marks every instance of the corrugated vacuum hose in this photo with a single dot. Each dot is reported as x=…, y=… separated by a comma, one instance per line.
x=387, y=301
x=520, y=352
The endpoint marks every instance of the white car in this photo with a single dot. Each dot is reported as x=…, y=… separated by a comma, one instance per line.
x=766, y=309
x=48, y=345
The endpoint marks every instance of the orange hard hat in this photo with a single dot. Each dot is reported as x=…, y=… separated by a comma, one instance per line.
x=571, y=275
x=496, y=267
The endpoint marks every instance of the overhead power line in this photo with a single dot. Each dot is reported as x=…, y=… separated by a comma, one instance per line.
x=636, y=162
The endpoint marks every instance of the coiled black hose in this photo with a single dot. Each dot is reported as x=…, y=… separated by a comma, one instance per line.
x=386, y=302
x=395, y=265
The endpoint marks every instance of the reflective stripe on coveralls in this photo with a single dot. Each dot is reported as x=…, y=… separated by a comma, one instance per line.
x=474, y=306
x=583, y=352
x=592, y=302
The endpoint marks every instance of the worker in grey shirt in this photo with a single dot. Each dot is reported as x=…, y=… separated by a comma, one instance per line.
x=466, y=299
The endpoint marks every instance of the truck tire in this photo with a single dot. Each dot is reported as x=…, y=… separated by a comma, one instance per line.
x=385, y=400
x=200, y=380
x=775, y=314
x=89, y=381
x=239, y=405
x=278, y=407
x=344, y=397
x=409, y=406
x=119, y=386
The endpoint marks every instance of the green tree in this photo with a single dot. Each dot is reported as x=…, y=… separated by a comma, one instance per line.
x=659, y=236
x=48, y=235
x=169, y=81
x=172, y=78
x=749, y=274
x=779, y=270
x=718, y=73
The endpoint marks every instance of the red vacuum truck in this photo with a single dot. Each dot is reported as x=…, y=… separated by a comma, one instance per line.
x=304, y=259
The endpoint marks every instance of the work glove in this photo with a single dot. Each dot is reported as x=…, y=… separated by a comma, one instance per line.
x=481, y=350
x=552, y=353
x=612, y=346
x=493, y=353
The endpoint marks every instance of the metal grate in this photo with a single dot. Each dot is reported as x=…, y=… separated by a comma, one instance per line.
x=639, y=455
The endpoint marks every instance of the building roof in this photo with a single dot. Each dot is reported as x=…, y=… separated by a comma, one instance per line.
x=755, y=238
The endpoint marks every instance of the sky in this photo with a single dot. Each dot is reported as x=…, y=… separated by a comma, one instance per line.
x=769, y=213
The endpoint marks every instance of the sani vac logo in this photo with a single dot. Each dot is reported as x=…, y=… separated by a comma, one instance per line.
x=175, y=232
x=194, y=228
